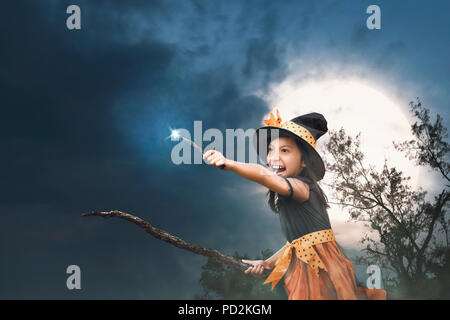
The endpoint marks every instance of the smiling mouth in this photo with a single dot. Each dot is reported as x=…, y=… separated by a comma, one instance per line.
x=279, y=169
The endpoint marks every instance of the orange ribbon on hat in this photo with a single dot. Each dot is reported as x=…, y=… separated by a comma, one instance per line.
x=304, y=250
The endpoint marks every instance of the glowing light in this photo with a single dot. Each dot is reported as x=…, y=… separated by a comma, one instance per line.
x=174, y=136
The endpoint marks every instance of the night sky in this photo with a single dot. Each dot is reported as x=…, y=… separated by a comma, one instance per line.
x=85, y=115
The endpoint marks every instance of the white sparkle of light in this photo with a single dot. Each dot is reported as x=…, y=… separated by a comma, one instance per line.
x=174, y=136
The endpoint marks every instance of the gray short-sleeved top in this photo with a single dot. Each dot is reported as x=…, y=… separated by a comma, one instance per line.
x=300, y=218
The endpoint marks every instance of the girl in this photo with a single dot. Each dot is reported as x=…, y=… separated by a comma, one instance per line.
x=316, y=268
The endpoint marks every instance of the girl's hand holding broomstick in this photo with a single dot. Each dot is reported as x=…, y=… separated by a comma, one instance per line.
x=258, y=266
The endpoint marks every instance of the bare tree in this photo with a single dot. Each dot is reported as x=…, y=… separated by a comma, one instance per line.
x=413, y=232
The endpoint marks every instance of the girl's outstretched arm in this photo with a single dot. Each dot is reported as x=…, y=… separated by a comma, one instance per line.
x=259, y=174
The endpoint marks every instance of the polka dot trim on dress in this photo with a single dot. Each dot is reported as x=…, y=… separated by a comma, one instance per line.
x=304, y=250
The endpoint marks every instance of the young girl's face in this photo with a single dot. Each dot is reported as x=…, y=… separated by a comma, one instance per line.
x=284, y=157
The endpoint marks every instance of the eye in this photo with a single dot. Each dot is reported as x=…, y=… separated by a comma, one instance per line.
x=284, y=150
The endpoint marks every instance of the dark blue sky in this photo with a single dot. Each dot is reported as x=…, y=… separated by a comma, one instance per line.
x=84, y=116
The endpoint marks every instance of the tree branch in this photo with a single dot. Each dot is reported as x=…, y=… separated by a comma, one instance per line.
x=180, y=243
x=352, y=205
x=376, y=252
x=440, y=202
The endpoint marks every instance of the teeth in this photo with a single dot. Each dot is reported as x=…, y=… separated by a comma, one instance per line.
x=277, y=167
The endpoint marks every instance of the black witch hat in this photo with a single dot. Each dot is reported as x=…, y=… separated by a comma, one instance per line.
x=307, y=129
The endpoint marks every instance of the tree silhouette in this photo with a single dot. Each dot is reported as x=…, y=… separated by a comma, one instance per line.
x=429, y=148
x=413, y=232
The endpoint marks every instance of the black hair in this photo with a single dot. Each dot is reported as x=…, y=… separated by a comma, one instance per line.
x=305, y=173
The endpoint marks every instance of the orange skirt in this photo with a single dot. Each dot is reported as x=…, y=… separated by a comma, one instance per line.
x=339, y=283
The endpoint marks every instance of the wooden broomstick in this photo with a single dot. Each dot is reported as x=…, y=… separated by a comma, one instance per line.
x=180, y=243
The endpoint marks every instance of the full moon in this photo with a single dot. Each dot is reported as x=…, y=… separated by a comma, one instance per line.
x=358, y=108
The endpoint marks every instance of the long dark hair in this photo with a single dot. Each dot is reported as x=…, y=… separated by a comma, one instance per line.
x=305, y=173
